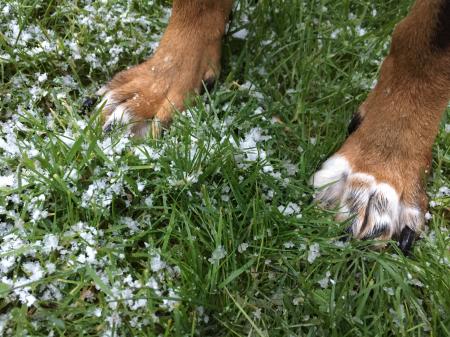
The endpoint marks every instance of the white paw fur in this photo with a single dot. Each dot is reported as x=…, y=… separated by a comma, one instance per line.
x=119, y=114
x=373, y=208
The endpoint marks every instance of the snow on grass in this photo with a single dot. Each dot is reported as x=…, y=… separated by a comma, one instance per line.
x=182, y=234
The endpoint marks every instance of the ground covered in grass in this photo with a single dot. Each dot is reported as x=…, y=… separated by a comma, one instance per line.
x=209, y=231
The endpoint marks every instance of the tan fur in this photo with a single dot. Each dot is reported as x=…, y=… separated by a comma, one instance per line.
x=401, y=115
x=189, y=53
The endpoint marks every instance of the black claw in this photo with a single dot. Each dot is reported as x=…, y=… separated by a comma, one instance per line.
x=88, y=104
x=354, y=123
x=347, y=235
x=208, y=84
x=108, y=128
x=406, y=241
x=230, y=16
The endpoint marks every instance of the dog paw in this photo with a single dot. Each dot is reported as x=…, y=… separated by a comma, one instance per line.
x=145, y=96
x=375, y=207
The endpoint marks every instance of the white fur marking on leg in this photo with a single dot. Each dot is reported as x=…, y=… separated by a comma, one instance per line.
x=355, y=199
x=108, y=102
x=120, y=115
x=389, y=193
x=332, y=171
x=411, y=217
x=382, y=213
x=330, y=180
x=102, y=91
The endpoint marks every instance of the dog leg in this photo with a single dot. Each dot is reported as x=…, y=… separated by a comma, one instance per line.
x=377, y=178
x=189, y=54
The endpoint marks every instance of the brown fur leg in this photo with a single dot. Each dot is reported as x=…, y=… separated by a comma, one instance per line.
x=189, y=53
x=378, y=176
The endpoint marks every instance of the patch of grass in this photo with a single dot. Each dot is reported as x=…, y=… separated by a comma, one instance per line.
x=195, y=234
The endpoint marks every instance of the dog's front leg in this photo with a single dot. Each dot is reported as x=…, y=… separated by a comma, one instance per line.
x=189, y=53
x=377, y=179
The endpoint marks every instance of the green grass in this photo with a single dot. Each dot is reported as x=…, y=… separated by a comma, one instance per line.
x=185, y=236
